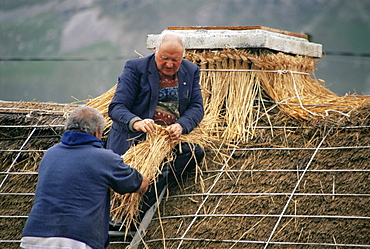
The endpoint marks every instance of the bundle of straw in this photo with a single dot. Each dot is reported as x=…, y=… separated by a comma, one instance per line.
x=296, y=92
x=234, y=80
x=228, y=94
x=149, y=157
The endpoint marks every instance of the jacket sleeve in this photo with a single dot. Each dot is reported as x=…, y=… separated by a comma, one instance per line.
x=124, y=98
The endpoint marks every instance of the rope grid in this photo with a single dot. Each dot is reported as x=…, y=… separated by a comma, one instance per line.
x=208, y=194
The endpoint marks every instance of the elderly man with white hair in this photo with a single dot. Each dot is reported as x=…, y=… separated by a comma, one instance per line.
x=161, y=88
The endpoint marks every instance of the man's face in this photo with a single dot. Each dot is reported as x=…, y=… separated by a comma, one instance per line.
x=169, y=58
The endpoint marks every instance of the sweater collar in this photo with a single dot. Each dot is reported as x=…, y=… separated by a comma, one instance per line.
x=77, y=138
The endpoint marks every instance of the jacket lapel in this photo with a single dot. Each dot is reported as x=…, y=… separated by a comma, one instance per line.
x=183, y=88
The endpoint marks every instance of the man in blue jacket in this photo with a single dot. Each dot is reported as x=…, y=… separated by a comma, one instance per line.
x=160, y=88
x=72, y=201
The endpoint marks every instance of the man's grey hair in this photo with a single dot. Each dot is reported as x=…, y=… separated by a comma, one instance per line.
x=166, y=35
x=85, y=119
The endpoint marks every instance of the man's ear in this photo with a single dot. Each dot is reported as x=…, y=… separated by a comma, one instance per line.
x=97, y=132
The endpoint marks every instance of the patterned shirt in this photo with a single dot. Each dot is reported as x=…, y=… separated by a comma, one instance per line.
x=167, y=111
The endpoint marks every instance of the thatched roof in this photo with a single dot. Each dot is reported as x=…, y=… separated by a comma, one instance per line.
x=298, y=183
x=297, y=174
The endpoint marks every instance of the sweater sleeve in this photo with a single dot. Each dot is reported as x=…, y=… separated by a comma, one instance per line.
x=123, y=178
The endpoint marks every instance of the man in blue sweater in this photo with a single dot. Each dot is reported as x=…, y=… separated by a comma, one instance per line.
x=72, y=201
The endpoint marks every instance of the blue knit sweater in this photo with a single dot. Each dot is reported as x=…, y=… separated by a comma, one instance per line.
x=73, y=191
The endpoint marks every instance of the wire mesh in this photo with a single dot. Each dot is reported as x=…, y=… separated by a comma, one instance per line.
x=299, y=197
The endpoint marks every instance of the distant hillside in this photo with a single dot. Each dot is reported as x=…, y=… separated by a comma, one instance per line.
x=111, y=28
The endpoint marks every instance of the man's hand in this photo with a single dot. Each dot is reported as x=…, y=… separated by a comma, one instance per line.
x=175, y=130
x=146, y=125
x=144, y=186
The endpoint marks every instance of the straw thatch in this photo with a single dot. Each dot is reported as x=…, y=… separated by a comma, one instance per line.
x=351, y=157
x=257, y=87
x=244, y=203
x=235, y=81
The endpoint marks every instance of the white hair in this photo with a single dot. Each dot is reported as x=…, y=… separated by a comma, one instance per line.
x=167, y=35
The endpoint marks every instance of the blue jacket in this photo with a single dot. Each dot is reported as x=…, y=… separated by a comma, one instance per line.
x=137, y=96
x=73, y=191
